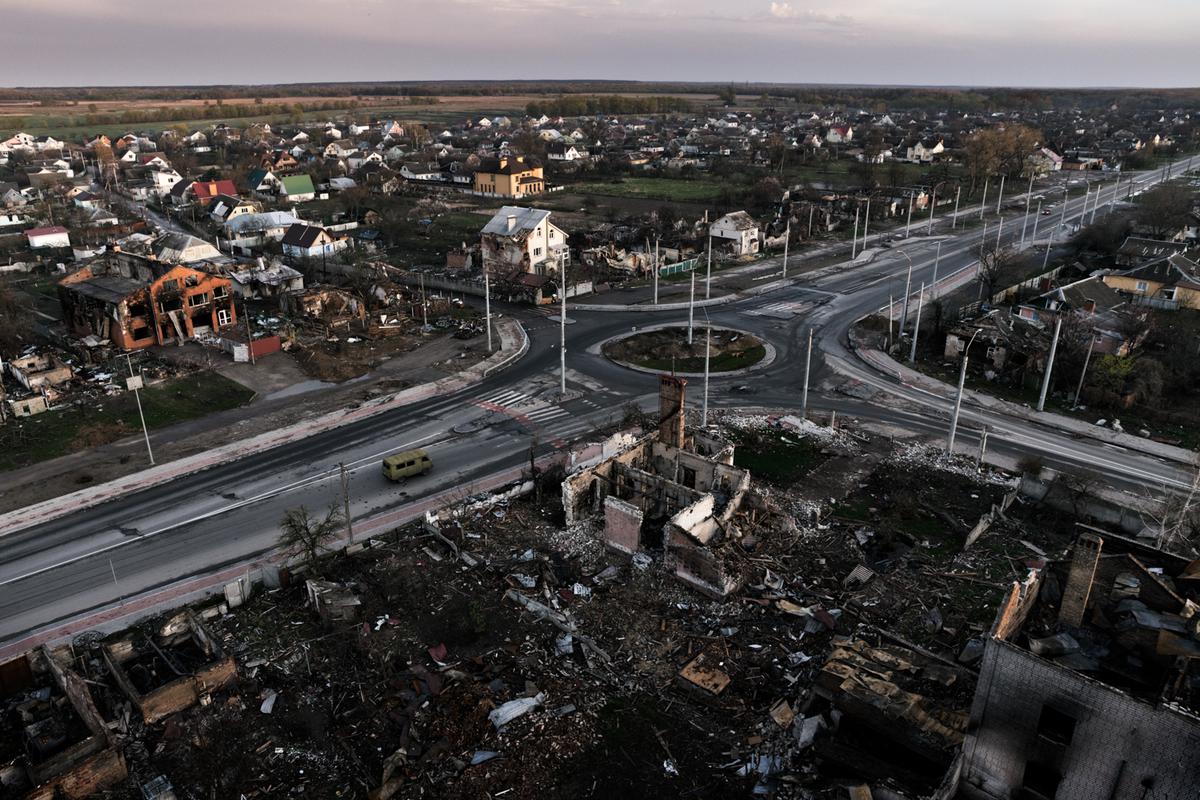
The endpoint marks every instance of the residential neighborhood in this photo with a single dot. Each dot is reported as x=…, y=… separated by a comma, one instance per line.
x=579, y=439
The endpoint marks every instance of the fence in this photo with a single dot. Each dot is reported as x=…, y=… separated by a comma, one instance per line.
x=678, y=267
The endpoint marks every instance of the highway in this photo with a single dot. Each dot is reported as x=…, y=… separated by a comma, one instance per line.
x=104, y=556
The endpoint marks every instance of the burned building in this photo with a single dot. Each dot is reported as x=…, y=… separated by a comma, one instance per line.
x=170, y=670
x=65, y=748
x=138, y=301
x=1089, y=684
x=673, y=492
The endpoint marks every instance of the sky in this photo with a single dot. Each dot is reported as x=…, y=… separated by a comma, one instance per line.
x=951, y=42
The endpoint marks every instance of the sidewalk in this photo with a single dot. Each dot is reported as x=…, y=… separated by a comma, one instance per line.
x=513, y=344
x=885, y=364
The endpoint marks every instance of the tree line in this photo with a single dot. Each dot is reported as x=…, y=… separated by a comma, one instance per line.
x=574, y=106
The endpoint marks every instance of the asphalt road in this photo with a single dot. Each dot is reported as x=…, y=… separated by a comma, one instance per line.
x=103, y=556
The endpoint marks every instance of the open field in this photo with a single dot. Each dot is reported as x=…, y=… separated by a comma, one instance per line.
x=69, y=119
x=56, y=433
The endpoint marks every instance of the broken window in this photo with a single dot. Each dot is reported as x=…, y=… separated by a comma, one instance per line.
x=1041, y=781
x=198, y=299
x=141, y=333
x=220, y=290
x=1056, y=726
x=689, y=477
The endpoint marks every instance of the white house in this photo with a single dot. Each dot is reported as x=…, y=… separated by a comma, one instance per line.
x=54, y=236
x=1045, y=160
x=922, y=153
x=839, y=134
x=739, y=228
x=312, y=241
x=559, y=151
x=523, y=239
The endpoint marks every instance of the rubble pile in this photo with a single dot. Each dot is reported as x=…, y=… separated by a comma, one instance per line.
x=491, y=651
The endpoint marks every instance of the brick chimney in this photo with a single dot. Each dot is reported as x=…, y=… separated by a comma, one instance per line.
x=671, y=391
x=1084, y=558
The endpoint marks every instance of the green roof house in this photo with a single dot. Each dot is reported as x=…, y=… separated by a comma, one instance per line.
x=297, y=188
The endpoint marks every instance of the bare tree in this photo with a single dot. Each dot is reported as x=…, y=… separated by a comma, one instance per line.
x=1175, y=519
x=304, y=535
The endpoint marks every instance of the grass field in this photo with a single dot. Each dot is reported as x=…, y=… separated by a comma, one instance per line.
x=56, y=433
x=679, y=190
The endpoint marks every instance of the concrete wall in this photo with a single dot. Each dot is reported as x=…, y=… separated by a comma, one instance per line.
x=1121, y=748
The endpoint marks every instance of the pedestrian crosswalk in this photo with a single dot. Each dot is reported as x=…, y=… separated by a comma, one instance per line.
x=549, y=421
x=784, y=309
x=505, y=397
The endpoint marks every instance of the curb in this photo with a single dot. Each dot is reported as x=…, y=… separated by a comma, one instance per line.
x=117, y=615
x=48, y=510
x=767, y=359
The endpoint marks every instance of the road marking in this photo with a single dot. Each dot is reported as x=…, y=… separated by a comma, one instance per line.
x=232, y=507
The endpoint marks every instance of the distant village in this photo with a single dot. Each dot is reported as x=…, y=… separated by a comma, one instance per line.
x=243, y=238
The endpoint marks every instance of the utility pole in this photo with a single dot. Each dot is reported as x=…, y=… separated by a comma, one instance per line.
x=983, y=202
x=983, y=240
x=487, y=307
x=908, y=222
x=707, y=353
x=912, y=355
x=1033, y=236
x=932, y=206
x=1083, y=373
x=807, y=367
x=1046, y=258
x=854, y=238
x=249, y=333
x=691, y=306
x=937, y=256
x=562, y=337
x=1095, y=206
x=1050, y=363
x=962, y=379
x=787, y=238
x=891, y=311
x=999, y=232
x=1062, y=218
x=708, y=274
x=656, y=269
x=1028, y=200
x=904, y=303
x=982, y=449
x=866, y=224
x=424, y=305
x=346, y=502
x=811, y=209
x=135, y=382
x=957, y=197
x=1000, y=199
x=1087, y=193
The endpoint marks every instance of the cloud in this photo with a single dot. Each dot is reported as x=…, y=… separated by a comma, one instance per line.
x=786, y=11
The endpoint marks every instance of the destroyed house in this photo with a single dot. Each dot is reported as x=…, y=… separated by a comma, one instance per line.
x=1089, y=685
x=63, y=748
x=169, y=670
x=137, y=301
x=671, y=492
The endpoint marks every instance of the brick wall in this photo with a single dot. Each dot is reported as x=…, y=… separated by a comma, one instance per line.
x=1120, y=748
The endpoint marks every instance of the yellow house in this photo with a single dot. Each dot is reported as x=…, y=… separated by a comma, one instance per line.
x=508, y=176
x=1175, y=278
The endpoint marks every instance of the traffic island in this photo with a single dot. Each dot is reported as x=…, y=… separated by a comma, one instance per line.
x=665, y=349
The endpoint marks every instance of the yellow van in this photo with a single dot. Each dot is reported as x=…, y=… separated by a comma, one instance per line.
x=408, y=464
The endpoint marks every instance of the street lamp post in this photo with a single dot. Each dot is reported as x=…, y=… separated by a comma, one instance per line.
x=1050, y=364
x=907, y=290
x=807, y=367
x=962, y=379
x=854, y=238
x=912, y=355
x=957, y=197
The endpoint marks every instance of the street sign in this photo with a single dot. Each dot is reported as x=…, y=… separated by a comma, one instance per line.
x=133, y=382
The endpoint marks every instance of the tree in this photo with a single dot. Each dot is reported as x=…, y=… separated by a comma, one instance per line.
x=306, y=536
x=15, y=317
x=727, y=95
x=1000, y=150
x=995, y=265
x=1165, y=210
